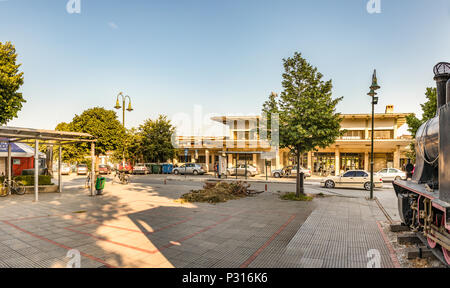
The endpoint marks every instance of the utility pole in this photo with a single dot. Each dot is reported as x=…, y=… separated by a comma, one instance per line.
x=373, y=94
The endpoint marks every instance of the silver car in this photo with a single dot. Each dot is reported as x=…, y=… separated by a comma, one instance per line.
x=290, y=171
x=391, y=174
x=189, y=168
x=251, y=171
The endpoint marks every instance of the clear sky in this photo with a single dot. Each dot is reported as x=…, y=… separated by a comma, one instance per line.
x=224, y=55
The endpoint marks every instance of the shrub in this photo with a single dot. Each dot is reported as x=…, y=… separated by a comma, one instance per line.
x=28, y=180
x=293, y=197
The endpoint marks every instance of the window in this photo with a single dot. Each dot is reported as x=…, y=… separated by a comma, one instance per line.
x=361, y=174
x=384, y=171
x=353, y=135
x=391, y=170
x=350, y=174
x=382, y=134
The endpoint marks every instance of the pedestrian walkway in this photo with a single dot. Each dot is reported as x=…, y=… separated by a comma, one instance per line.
x=341, y=233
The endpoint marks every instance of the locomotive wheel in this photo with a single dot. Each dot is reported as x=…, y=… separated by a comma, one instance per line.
x=446, y=255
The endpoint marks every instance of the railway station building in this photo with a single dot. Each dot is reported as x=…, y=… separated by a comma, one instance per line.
x=244, y=144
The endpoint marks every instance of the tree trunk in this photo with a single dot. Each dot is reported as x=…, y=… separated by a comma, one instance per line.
x=299, y=182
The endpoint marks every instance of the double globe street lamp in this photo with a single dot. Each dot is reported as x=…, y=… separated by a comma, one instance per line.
x=129, y=109
x=373, y=94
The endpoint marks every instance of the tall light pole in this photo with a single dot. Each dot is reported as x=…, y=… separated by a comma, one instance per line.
x=129, y=109
x=373, y=94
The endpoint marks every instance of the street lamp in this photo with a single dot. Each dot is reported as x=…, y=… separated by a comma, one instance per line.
x=129, y=109
x=373, y=94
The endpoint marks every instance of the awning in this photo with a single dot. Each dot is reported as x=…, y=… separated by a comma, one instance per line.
x=17, y=150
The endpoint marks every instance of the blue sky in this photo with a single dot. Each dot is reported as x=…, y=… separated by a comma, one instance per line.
x=224, y=55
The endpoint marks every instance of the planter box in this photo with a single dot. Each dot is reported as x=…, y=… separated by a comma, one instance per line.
x=42, y=189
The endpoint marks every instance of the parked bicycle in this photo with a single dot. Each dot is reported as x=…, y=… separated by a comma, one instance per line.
x=16, y=187
x=121, y=178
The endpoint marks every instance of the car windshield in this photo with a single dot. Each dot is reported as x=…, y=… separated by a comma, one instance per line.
x=82, y=165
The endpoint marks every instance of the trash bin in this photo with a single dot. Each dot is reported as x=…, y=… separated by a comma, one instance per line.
x=167, y=168
x=156, y=169
x=100, y=184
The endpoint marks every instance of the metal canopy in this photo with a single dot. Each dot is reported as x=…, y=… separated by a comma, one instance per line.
x=49, y=137
x=16, y=134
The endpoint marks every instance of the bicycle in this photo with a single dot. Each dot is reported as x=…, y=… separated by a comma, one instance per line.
x=15, y=188
x=121, y=178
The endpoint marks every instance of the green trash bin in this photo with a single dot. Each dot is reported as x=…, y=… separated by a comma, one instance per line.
x=100, y=184
x=156, y=169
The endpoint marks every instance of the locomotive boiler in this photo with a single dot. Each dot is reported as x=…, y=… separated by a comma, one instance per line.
x=424, y=200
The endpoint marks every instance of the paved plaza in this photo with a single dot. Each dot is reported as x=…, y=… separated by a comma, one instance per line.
x=143, y=225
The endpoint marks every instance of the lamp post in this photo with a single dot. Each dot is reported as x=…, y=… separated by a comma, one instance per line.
x=373, y=94
x=129, y=109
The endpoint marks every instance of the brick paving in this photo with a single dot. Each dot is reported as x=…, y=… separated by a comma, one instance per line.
x=141, y=225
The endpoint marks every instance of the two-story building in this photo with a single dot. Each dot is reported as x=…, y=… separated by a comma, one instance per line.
x=245, y=144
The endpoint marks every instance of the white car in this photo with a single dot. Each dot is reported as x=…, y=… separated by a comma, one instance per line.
x=65, y=169
x=140, y=169
x=82, y=169
x=352, y=179
x=391, y=174
x=290, y=171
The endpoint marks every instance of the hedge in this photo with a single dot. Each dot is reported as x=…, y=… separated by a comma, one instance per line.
x=28, y=180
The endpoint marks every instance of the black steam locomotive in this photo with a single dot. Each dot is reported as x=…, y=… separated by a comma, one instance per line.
x=424, y=201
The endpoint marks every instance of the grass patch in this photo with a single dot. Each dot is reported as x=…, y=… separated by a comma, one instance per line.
x=217, y=192
x=293, y=197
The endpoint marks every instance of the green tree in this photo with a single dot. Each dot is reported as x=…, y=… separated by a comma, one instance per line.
x=307, y=111
x=10, y=82
x=429, y=111
x=156, y=140
x=100, y=123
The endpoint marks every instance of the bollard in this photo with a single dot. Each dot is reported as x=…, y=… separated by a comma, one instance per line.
x=165, y=181
x=266, y=188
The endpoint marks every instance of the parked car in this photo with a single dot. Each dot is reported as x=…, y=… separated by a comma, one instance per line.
x=352, y=179
x=140, y=169
x=127, y=168
x=391, y=174
x=189, y=168
x=251, y=170
x=104, y=169
x=82, y=169
x=65, y=169
x=290, y=171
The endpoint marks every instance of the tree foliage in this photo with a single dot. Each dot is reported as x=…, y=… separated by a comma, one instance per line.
x=10, y=82
x=100, y=123
x=306, y=109
x=156, y=140
x=429, y=111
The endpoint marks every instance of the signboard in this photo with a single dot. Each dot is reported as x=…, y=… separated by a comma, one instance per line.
x=16, y=161
x=268, y=155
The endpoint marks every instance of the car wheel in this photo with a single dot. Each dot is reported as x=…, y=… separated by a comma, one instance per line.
x=329, y=184
x=176, y=172
x=276, y=175
x=398, y=178
x=195, y=172
x=367, y=186
x=228, y=173
x=249, y=174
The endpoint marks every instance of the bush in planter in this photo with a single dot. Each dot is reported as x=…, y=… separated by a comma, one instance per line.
x=28, y=180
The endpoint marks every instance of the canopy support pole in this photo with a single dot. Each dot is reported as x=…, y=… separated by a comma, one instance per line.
x=92, y=167
x=59, y=170
x=9, y=168
x=36, y=170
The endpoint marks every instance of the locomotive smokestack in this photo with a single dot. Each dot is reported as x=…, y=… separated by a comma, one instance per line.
x=442, y=76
